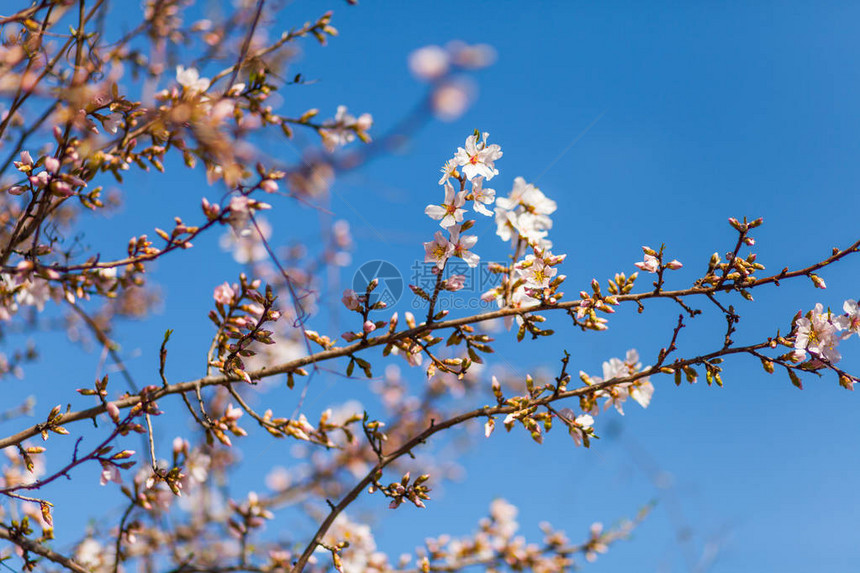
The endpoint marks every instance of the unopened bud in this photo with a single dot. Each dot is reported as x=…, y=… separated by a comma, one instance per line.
x=113, y=411
x=817, y=281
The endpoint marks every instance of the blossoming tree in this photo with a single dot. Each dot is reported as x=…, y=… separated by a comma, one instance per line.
x=74, y=122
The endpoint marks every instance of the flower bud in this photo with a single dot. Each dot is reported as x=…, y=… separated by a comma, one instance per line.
x=113, y=411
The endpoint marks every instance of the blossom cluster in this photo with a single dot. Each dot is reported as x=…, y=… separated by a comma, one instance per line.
x=819, y=333
x=639, y=390
x=477, y=163
x=523, y=218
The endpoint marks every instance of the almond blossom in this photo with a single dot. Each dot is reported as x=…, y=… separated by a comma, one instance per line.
x=240, y=210
x=359, y=552
x=578, y=426
x=113, y=122
x=449, y=211
x=525, y=226
x=524, y=215
x=26, y=162
x=412, y=353
x=34, y=292
x=640, y=390
x=350, y=299
x=462, y=245
x=429, y=63
x=438, y=250
x=110, y=473
x=455, y=283
x=478, y=158
x=190, y=79
x=529, y=197
x=452, y=98
x=482, y=196
x=535, y=272
x=344, y=128
x=850, y=321
x=449, y=170
x=650, y=264
x=92, y=554
x=817, y=334
x=224, y=294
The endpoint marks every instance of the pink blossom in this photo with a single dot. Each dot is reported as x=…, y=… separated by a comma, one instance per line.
x=471, y=57
x=438, y=250
x=649, y=265
x=452, y=98
x=455, y=283
x=240, y=214
x=113, y=411
x=40, y=179
x=113, y=122
x=110, y=473
x=224, y=294
x=269, y=185
x=816, y=334
x=428, y=63
x=240, y=210
x=61, y=189
x=233, y=413
x=535, y=272
x=350, y=299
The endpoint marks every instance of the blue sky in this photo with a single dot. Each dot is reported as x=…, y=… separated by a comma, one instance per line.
x=648, y=123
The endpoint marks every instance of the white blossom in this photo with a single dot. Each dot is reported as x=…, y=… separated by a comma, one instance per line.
x=190, y=79
x=462, y=244
x=478, y=158
x=449, y=211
